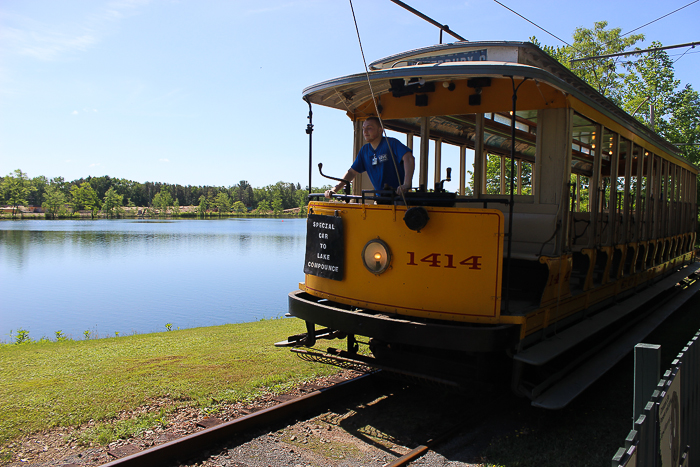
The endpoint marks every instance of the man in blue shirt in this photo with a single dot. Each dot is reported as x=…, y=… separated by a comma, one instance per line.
x=375, y=159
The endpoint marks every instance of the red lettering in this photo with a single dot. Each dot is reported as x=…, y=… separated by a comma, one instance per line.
x=412, y=261
x=432, y=258
x=433, y=261
x=472, y=262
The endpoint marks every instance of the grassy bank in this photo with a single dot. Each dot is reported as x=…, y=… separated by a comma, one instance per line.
x=48, y=384
x=135, y=212
x=67, y=383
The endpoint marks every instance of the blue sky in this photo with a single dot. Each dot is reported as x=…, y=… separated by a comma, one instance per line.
x=209, y=92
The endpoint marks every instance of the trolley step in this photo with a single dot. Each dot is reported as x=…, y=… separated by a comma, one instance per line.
x=543, y=352
x=575, y=383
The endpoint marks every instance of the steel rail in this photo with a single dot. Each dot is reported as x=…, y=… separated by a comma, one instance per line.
x=188, y=446
x=430, y=445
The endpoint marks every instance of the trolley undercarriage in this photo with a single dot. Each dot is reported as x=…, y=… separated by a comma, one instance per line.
x=551, y=372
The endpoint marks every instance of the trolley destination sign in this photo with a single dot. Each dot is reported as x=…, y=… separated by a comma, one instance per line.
x=324, y=247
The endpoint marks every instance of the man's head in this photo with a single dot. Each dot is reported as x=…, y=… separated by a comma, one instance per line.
x=372, y=130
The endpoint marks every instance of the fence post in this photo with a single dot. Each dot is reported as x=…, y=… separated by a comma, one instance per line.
x=647, y=369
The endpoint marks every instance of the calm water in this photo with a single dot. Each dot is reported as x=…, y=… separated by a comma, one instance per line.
x=130, y=276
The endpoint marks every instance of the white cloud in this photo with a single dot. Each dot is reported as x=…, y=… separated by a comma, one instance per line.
x=163, y=160
x=94, y=164
x=76, y=112
x=46, y=41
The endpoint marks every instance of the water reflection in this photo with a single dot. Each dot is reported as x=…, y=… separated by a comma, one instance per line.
x=122, y=276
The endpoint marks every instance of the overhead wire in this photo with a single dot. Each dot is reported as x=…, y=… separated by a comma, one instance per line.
x=660, y=17
x=653, y=21
x=535, y=24
x=679, y=55
x=587, y=65
x=607, y=43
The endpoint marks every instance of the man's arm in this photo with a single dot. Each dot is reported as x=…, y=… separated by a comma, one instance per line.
x=409, y=165
x=348, y=177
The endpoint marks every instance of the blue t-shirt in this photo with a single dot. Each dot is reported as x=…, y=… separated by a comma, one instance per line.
x=378, y=165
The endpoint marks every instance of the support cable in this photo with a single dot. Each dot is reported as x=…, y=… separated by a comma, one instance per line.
x=686, y=51
x=534, y=24
x=637, y=52
x=376, y=107
x=661, y=17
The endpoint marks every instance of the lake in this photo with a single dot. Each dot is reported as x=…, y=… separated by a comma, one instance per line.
x=135, y=276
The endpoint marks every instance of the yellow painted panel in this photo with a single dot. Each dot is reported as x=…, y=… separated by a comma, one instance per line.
x=496, y=98
x=557, y=287
x=450, y=270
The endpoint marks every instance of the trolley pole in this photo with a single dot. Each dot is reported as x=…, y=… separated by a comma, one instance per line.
x=512, y=189
x=309, y=131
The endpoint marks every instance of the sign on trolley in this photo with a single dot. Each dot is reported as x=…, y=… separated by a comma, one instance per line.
x=324, y=247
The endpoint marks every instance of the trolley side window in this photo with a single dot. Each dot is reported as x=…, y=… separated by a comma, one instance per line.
x=497, y=148
x=583, y=145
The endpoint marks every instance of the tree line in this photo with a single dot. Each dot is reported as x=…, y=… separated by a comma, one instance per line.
x=642, y=84
x=110, y=195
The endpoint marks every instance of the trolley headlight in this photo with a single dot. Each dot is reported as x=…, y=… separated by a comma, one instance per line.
x=376, y=256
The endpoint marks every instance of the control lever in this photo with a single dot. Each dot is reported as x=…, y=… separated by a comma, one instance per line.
x=439, y=186
x=347, y=184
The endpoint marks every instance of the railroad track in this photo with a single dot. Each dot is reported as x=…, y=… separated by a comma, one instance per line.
x=380, y=418
x=190, y=446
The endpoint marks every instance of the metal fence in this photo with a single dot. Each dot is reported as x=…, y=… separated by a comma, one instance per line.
x=667, y=432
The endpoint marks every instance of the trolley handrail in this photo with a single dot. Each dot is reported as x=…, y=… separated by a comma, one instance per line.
x=416, y=198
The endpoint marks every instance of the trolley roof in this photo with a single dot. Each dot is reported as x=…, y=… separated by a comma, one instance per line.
x=463, y=60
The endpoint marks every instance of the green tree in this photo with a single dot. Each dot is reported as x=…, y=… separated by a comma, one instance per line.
x=277, y=205
x=113, y=202
x=222, y=203
x=84, y=197
x=61, y=184
x=162, y=200
x=683, y=126
x=302, y=200
x=239, y=207
x=54, y=200
x=604, y=74
x=203, y=205
x=263, y=208
x=16, y=188
x=36, y=197
x=246, y=193
x=637, y=85
x=651, y=88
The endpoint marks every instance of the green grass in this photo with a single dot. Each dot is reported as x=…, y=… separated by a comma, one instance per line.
x=67, y=383
x=106, y=432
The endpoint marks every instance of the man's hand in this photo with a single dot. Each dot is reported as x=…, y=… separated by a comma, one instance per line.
x=405, y=188
x=329, y=193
